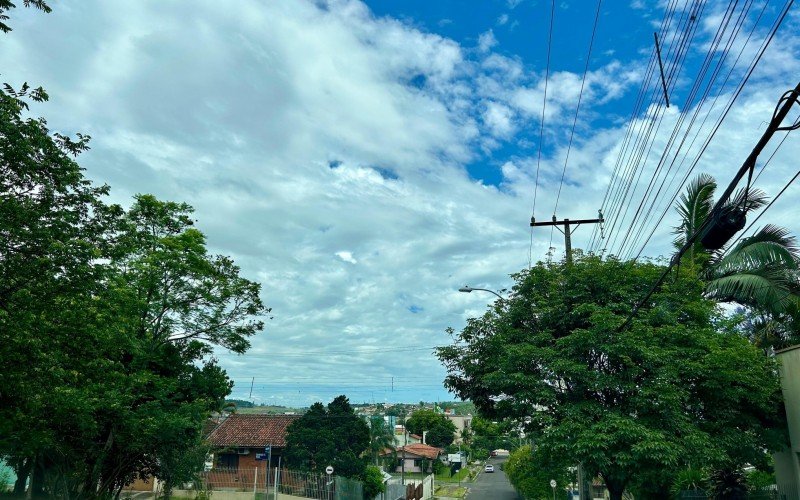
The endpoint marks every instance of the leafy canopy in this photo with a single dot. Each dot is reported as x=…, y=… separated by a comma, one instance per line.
x=440, y=430
x=333, y=436
x=678, y=385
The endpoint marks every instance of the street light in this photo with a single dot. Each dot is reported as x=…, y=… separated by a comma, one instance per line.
x=469, y=289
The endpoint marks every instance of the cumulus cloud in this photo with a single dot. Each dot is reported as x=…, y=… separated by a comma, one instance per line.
x=324, y=148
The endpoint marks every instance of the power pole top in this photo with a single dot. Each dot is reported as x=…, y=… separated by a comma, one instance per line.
x=567, y=231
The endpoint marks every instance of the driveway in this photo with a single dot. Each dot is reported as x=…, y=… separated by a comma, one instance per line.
x=492, y=486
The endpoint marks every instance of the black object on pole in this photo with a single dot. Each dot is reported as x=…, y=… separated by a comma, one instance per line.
x=567, y=231
x=661, y=67
x=718, y=212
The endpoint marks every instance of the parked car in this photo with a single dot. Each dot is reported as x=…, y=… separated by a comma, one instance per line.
x=488, y=468
x=493, y=453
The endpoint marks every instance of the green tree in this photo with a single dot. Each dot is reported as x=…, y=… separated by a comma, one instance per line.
x=107, y=323
x=373, y=482
x=440, y=430
x=333, y=436
x=678, y=385
x=531, y=469
x=381, y=438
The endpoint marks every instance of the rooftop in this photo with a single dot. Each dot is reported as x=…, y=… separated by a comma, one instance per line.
x=252, y=431
x=419, y=449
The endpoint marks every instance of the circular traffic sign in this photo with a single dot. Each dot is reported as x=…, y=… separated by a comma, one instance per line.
x=329, y=470
x=552, y=483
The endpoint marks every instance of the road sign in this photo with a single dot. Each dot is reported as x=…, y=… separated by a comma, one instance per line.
x=261, y=456
x=552, y=483
x=329, y=470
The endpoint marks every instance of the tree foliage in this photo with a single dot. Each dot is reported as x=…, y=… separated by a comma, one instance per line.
x=440, y=431
x=679, y=384
x=530, y=470
x=760, y=271
x=7, y=5
x=108, y=318
x=333, y=436
x=381, y=438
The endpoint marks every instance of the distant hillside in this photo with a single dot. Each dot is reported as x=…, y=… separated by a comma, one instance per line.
x=240, y=403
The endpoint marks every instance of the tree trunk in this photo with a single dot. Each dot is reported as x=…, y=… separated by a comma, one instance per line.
x=22, y=471
x=615, y=488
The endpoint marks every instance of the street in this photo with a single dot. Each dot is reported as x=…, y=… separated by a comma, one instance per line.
x=492, y=486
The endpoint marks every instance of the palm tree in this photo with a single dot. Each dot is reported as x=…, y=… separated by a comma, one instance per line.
x=759, y=271
x=381, y=437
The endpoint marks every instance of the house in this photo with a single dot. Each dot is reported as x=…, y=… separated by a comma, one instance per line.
x=462, y=423
x=239, y=442
x=401, y=438
x=417, y=457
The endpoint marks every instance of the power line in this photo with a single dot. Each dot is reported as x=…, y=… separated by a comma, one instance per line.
x=655, y=124
x=541, y=126
x=665, y=23
x=646, y=128
x=787, y=100
x=578, y=107
x=349, y=351
x=729, y=105
x=633, y=230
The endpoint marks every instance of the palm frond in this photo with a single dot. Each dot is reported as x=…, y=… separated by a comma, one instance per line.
x=694, y=205
x=770, y=288
x=770, y=246
x=756, y=198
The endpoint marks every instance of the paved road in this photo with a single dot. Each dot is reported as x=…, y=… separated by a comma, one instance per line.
x=492, y=486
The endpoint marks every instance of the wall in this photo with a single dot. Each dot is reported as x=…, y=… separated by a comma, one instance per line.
x=787, y=465
x=461, y=422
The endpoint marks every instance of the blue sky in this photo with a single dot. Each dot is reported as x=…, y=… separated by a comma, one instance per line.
x=362, y=161
x=521, y=31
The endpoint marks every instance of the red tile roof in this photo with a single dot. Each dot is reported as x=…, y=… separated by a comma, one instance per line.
x=252, y=431
x=419, y=449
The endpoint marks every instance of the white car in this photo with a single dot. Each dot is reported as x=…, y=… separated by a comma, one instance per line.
x=488, y=468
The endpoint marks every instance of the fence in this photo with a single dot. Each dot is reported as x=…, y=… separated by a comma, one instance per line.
x=263, y=483
x=411, y=490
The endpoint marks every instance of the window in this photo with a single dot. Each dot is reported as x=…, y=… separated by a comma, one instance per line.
x=228, y=461
x=418, y=462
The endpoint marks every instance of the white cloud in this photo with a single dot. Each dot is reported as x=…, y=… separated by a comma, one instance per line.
x=347, y=257
x=503, y=19
x=486, y=41
x=310, y=139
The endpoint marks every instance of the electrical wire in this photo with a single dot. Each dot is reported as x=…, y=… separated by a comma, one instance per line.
x=541, y=126
x=636, y=162
x=666, y=21
x=577, y=109
x=721, y=119
x=635, y=230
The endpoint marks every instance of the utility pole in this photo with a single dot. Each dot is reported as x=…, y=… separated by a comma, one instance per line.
x=405, y=443
x=567, y=231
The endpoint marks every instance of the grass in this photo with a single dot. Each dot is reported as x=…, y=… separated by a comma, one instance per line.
x=450, y=490
x=461, y=475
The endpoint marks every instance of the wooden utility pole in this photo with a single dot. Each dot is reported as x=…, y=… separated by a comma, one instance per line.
x=569, y=227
